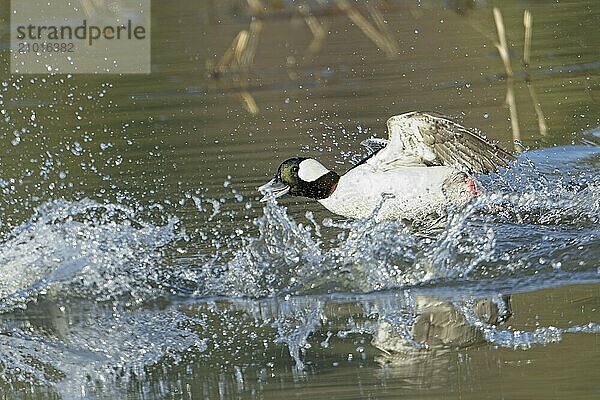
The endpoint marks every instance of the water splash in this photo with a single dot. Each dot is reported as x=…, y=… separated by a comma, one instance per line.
x=478, y=241
x=556, y=215
x=286, y=281
x=295, y=324
x=522, y=339
x=102, y=250
x=108, y=349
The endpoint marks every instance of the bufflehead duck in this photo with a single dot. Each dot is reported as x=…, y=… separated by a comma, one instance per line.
x=427, y=163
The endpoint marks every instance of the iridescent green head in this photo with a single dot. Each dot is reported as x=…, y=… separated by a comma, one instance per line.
x=300, y=176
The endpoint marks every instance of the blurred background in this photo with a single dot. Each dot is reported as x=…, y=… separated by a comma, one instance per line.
x=238, y=86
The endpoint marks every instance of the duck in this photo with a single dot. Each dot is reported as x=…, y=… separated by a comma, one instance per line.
x=427, y=165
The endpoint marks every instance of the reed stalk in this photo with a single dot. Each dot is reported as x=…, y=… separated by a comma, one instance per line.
x=528, y=24
x=384, y=43
x=502, y=47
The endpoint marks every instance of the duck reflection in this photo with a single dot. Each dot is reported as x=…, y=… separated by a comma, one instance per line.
x=439, y=325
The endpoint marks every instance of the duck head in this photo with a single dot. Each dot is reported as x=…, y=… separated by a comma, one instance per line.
x=300, y=176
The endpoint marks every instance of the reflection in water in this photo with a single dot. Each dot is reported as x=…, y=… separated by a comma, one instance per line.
x=237, y=61
x=438, y=324
x=112, y=351
x=424, y=352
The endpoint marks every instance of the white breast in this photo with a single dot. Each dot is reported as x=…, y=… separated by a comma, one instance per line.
x=414, y=192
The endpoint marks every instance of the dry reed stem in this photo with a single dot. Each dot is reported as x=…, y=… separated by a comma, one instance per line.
x=255, y=6
x=240, y=46
x=528, y=24
x=502, y=47
x=229, y=54
x=241, y=54
x=317, y=28
x=538, y=110
x=249, y=102
x=249, y=52
x=389, y=47
x=383, y=27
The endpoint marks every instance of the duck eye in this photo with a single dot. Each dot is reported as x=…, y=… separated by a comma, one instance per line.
x=295, y=169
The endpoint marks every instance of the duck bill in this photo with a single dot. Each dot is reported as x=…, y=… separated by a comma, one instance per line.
x=274, y=188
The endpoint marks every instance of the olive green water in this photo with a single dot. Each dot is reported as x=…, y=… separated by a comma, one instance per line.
x=155, y=142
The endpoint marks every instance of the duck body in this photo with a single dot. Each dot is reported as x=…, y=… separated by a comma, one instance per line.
x=402, y=193
x=427, y=164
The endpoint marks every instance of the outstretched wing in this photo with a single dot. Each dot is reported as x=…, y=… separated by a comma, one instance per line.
x=429, y=139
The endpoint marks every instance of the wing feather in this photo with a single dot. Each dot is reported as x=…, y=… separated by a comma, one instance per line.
x=374, y=144
x=432, y=139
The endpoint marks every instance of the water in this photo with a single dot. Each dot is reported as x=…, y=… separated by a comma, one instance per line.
x=95, y=297
x=136, y=260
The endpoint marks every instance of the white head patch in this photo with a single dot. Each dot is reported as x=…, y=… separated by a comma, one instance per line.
x=310, y=170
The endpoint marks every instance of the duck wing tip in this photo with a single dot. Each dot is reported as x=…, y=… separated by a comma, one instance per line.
x=440, y=141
